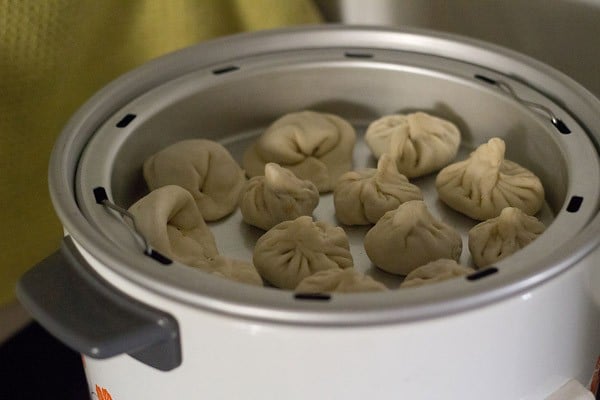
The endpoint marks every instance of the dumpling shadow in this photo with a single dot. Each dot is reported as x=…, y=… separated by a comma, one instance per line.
x=353, y=112
x=390, y=281
x=250, y=234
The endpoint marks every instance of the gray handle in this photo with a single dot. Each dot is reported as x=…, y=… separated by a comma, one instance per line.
x=75, y=304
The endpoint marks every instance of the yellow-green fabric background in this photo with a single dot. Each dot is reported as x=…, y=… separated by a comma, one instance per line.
x=54, y=54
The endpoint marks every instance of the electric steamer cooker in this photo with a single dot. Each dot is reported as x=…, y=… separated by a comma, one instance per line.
x=151, y=328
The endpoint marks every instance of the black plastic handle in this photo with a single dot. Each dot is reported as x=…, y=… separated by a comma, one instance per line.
x=75, y=304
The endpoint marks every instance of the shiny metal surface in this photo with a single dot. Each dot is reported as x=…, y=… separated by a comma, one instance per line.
x=327, y=81
x=405, y=70
x=558, y=33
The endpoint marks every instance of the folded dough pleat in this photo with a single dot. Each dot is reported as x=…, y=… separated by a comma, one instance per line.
x=492, y=240
x=486, y=183
x=202, y=167
x=408, y=237
x=276, y=197
x=419, y=143
x=435, y=271
x=362, y=197
x=170, y=221
x=314, y=146
x=293, y=250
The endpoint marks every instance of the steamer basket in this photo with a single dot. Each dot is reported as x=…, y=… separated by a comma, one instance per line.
x=230, y=90
x=234, y=101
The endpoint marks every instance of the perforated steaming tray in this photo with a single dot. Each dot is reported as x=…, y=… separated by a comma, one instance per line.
x=234, y=102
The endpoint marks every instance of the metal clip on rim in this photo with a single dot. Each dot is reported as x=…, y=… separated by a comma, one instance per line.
x=530, y=104
x=539, y=108
x=102, y=199
x=133, y=229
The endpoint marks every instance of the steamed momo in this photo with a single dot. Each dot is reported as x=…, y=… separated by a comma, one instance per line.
x=314, y=146
x=408, y=237
x=499, y=237
x=293, y=250
x=339, y=280
x=435, y=271
x=485, y=183
x=170, y=221
x=362, y=197
x=419, y=143
x=276, y=197
x=205, y=169
x=232, y=269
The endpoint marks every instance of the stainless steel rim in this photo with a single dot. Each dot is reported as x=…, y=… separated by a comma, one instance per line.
x=247, y=302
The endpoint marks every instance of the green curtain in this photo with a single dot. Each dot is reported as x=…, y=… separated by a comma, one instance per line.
x=54, y=54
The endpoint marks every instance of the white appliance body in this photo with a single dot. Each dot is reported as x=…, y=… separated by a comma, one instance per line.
x=511, y=333
x=525, y=347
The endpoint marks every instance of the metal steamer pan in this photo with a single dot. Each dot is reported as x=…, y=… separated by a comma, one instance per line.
x=152, y=328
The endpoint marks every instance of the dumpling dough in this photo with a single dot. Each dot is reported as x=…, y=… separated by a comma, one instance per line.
x=435, y=271
x=232, y=269
x=499, y=237
x=293, y=250
x=362, y=197
x=419, y=143
x=408, y=237
x=171, y=223
x=314, y=146
x=205, y=169
x=339, y=280
x=485, y=183
x=276, y=197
